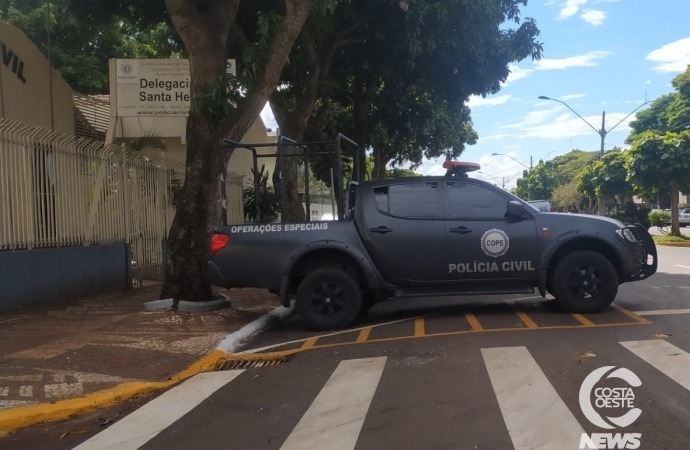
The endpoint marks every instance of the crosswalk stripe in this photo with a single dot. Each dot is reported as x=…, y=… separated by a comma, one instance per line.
x=335, y=418
x=534, y=413
x=144, y=424
x=669, y=359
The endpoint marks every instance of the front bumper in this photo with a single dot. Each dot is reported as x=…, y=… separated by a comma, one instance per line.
x=649, y=261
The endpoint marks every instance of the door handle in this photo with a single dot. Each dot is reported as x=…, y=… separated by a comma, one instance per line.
x=461, y=230
x=380, y=230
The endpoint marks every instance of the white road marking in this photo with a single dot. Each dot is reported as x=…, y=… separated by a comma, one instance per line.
x=146, y=422
x=662, y=312
x=667, y=358
x=335, y=418
x=684, y=267
x=534, y=413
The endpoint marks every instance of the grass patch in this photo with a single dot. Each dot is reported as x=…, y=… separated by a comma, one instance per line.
x=671, y=238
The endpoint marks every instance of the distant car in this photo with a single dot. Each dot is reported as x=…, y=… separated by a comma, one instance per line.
x=541, y=205
x=684, y=217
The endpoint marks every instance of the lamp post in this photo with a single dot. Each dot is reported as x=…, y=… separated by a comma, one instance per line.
x=602, y=132
x=517, y=161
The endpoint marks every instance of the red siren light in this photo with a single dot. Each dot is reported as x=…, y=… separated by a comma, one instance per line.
x=459, y=168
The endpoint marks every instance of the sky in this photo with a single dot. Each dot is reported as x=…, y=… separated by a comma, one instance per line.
x=599, y=56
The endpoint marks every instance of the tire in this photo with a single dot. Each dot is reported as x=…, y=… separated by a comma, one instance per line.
x=585, y=282
x=328, y=299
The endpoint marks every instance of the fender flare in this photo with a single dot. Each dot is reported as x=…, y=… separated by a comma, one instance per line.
x=371, y=273
x=552, y=248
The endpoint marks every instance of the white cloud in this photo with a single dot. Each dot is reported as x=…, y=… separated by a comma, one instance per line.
x=593, y=17
x=673, y=57
x=517, y=73
x=585, y=60
x=571, y=96
x=570, y=7
x=476, y=101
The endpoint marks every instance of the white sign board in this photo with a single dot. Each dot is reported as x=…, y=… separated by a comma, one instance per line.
x=154, y=87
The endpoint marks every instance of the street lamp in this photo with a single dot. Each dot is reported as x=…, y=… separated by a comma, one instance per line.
x=601, y=206
x=601, y=132
x=517, y=161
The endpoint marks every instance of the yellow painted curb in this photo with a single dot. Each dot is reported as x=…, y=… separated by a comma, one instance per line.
x=16, y=418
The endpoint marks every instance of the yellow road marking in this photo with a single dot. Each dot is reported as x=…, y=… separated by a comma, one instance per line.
x=363, y=335
x=309, y=343
x=419, y=327
x=420, y=331
x=583, y=320
x=446, y=333
x=526, y=319
x=632, y=315
x=472, y=320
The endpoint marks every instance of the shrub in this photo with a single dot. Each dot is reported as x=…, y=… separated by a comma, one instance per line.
x=269, y=203
x=659, y=218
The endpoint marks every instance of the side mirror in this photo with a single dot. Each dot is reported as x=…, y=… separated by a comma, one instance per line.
x=516, y=210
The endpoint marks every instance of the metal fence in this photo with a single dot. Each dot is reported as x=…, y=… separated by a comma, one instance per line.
x=58, y=190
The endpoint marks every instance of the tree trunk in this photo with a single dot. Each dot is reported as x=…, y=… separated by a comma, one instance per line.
x=675, y=223
x=203, y=27
x=293, y=122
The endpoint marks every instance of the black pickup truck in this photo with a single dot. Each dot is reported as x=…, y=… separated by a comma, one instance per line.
x=424, y=236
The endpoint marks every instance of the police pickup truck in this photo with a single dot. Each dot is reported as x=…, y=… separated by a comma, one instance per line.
x=431, y=236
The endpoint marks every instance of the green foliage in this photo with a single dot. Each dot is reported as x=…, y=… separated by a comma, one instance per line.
x=659, y=218
x=396, y=76
x=682, y=239
x=660, y=160
x=606, y=177
x=566, y=197
x=79, y=45
x=220, y=101
x=269, y=203
x=541, y=181
x=148, y=140
x=633, y=213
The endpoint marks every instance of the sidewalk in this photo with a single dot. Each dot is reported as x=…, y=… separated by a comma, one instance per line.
x=69, y=358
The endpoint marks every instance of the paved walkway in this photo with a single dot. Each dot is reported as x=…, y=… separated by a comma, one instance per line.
x=93, y=348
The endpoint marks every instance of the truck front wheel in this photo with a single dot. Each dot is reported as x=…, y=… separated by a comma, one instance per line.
x=328, y=299
x=585, y=282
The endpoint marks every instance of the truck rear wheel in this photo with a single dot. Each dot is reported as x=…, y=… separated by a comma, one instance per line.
x=585, y=282
x=328, y=299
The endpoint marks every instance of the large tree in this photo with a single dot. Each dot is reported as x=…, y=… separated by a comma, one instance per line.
x=398, y=75
x=222, y=106
x=661, y=160
x=607, y=178
x=204, y=28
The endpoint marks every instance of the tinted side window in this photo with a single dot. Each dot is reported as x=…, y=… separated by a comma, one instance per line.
x=408, y=200
x=473, y=201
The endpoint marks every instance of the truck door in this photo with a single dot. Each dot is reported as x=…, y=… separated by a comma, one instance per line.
x=404, y=231
x=483, y=244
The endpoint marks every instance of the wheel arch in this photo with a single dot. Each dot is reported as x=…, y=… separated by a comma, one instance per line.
x=323, y=253
x=552, y=257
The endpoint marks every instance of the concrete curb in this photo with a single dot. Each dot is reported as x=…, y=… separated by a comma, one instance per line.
x=21, y=417
x=185, y=306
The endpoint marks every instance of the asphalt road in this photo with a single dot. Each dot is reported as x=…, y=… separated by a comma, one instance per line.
x=447, y=373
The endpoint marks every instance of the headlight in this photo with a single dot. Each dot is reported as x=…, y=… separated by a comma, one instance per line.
x=627, y=234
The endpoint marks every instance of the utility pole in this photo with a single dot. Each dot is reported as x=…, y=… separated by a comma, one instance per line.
x=601, y=202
